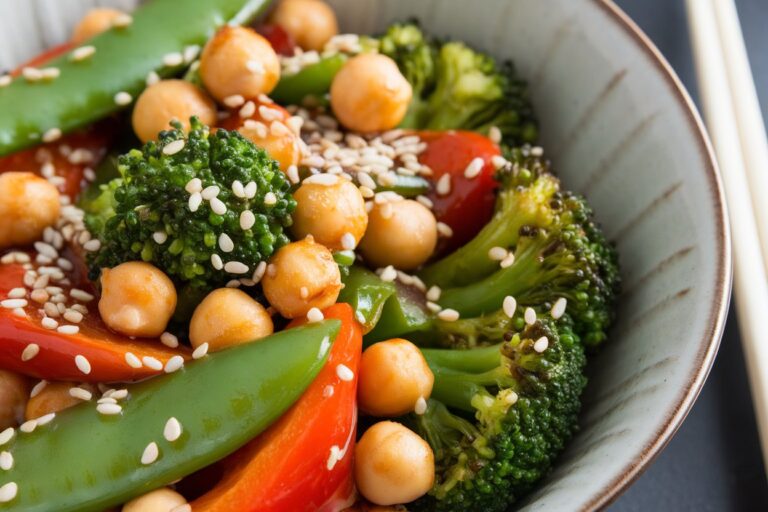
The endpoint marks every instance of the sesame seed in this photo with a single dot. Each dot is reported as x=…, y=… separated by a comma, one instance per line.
x=119, y=394
x=388, y=274
x=173, y=59
x=348, y=241
x=235, y=267
x=17, y=293
x=38, y=388
x=160, y=237
x=474, y=168
x=5, y=80
x=92, y=245
x=247, y=220
x=250, y=190
x=233, y=283
x=19, y=312
x=509, y=305
x=421, y=406
x=194, y=185
x=195, y=200
x=443, y=186
x=82, y=53
x=152, y=362
x=508, y=261
x=238, y=189
x=132, y=360
x=191, y=52
x=293, y=174
x=234, y=101
x=225, y=243
x=541, y=344
x=80, y=295
x=68, y=329
x=216, y=261
x=433, y=294
x=499, y=161
x=122, y=20
x=123, y=98
x=82, y=364
x=30, y=351
x=259, y=272
x=210, y=192
x=444, y=230
x=270, y=199
x=366, y=192
x=448, y=315
x=8, y=492
x=6, y=435
x=152, y=78
x=52, y=135
x=248, y=109
x=218, y=206
x=172, y=430
x=494, y=134
x=328, y=391
x=327, y=180
x=80, y=393
x=6, y=461
x=169, y=340
x=344, y=373
x=315, y=315
x=49, y=323
x=200, y=351
x=50, y=73
x=106, y=400
x=174, y=364
x=270, y=114
x=497, y=253
x=14, y=303
x=45, y=419
x=109, y=409
x=28, y=426
x=537, y=151
x=529, y=316
x=31, y=74
x=173, y=147
x=558, y=309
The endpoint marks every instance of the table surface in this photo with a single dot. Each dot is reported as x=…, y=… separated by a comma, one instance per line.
x=714, y=462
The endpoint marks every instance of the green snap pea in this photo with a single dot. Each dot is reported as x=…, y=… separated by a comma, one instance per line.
x=313, y=81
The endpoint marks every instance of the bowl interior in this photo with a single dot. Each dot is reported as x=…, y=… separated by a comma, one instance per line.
x=620, y=130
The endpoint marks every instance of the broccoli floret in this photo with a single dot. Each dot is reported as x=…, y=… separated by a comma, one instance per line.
x=148, y=214
x=456, y=87
x=499, y=415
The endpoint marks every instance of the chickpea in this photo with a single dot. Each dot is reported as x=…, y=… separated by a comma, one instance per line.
x=277, y=140
x=400, y=233
x=310, y=23
x=393, y=464
x=228, y=317
x=94, y=23
x=301, y=276
x=167, y=100
x=237, y=60
x=393, y=376
x=137, y=299
x=330, y=212
x=370, y=94
x=54, y=397
x=29, y=205
x=159, y=500
x=14, y=391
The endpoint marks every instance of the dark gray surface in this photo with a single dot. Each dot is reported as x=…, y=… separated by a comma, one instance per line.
x=714, y=462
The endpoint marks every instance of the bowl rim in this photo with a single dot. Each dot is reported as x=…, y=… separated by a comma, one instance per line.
x=710, y=342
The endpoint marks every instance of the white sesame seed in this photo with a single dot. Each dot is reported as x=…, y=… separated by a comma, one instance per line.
x=106, y=399
x=210, y=192
x=174, y=147
x=80, y=295
x=225, y=243
x=160, y=237
x=247, y=220
x=497, y=253
x=444, y=230
x=443, y=186
x=83, y=364
x=474, y=168
x=80, y=393
x=250, y=190
x=119, y=394
x=68, y=329
x=49, y=323
x=216, y=261
x=494, y=134
x=315, y=315
x=5, y=80
x=366, y=192
x=448, y=315
x=344, y=373
x=218, y=206
x=388, y=274
x=173, y=59
x=238, y=189
x=172, y=430
x=233, y=283
x=270, y=199
x=537, y=151
x=132, y=360
x=248, y=109
x=421, y=406
x=6, y=461
x=200, y=351
x=38, y=388
x=6, y=435
x=31, y=74
x=195, y=200
x=46, y=419
x=328, y=391
x=529, y=316
x=259, y=272
x=509, y=305
x=348, y=241
x=109, y=409
x=92, y=245
x=65, y=264
x=19, y=312
x=50, y=73
x=235, y=267
x=508, y=261
x=28, y=426
x=30, y=351
x=51, y=135
x=122, y=20
x=152, y=78
x=270, y=114
x=152, y=363
x=433, y=294
x=293, y=174
x=558, y=309
x=174, y=364
x=17, y=293
x=169, y=340
x=194, y=185
x=234, y=101
x=327, y=180
x=191, y=52
x=541, y=344
x=123, y=98
x=14, y=303
x=499, y=161
x=8, y=492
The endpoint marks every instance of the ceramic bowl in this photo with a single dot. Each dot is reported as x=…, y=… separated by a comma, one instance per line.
x=621, y=129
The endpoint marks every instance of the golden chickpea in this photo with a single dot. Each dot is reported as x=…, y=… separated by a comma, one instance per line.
x=301, y=276
x=393, y=464
x=137, y=299
x=237, y=60
x=14, y=392
x=332, y=211
x=94, y=23
x=370, y=94
x=393, y=376
x=277, y=140
x=311, y=23
x=54, y=397
x=228, y=317
x=400, y=233
x=29, y=204
x=159, y=500
x=167, y=100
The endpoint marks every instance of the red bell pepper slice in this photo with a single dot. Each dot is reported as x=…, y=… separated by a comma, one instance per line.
x=293, y=465
x=281, y=41
x=469, y=205
x=105, y=350
x=47, y=56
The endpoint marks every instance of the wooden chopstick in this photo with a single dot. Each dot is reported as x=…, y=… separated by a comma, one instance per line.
x=750, y=283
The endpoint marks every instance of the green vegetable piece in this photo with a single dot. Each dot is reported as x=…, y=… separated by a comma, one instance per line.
x=85, y=90
x=84, y=461
x=406, y=186
x=366, y=293
x=312, y=81
x=403, y=314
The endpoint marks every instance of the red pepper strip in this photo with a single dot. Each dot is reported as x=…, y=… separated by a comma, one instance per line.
x=46, y=56
x=281, y=41
x=291, y=467
x=469, y=205
x=104, y=350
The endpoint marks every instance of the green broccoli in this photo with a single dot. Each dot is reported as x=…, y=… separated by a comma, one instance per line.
x=456, y=87
x=499, y=415
x=204, y=208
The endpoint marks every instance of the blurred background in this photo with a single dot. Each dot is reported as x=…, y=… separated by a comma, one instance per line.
x=714, y=461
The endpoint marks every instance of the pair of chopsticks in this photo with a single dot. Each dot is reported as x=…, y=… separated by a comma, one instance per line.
x=735, y=123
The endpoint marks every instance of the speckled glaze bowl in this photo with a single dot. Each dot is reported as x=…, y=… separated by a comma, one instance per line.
x=619, y=128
